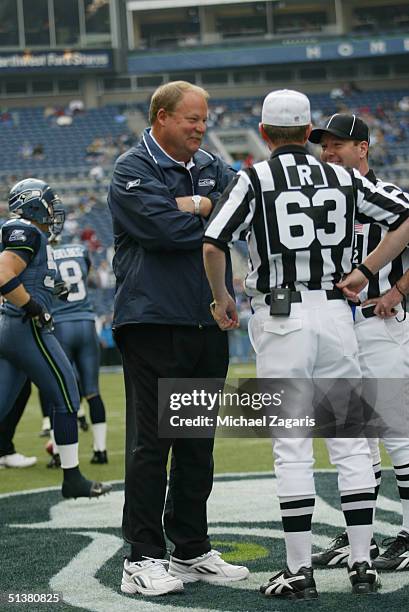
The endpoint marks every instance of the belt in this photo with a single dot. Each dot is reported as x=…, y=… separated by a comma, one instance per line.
x=296, y=296
x=367, y=313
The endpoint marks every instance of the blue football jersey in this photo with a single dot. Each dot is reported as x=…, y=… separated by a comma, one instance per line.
x=30, y=243
x=73, y=266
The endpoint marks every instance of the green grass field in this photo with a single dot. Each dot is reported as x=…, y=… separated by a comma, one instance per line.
x=231, y=455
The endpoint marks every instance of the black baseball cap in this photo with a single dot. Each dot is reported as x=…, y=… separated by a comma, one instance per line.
x=345, y=126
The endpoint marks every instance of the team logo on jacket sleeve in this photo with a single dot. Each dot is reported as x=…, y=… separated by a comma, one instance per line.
x=131, y=184
x=17, y=235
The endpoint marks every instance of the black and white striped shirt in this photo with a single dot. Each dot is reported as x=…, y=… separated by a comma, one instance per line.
x=367, y=238
x=298, y=216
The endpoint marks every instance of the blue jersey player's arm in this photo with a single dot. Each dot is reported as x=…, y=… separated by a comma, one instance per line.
x=19, y=247
x=11, y=266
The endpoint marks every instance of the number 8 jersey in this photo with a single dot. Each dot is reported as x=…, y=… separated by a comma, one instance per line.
x=73, y=264
x=298, y=214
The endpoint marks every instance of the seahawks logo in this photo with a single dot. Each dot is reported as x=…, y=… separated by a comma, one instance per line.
x=24, y=197
x=206, y=182
x=28, y=195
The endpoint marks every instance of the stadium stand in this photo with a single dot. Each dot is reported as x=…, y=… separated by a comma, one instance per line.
x=95, y=137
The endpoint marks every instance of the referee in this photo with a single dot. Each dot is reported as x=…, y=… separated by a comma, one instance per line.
x=299, y=217
x=382, y=340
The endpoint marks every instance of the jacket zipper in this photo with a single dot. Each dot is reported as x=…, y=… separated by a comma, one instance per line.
x=200, y=325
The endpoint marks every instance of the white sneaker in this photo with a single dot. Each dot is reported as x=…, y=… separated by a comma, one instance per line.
x=149, y=577
x=17, y=460
x=209, y=567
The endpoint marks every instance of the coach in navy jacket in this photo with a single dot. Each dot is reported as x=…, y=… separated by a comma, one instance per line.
x=164, y=329
x=158, y=249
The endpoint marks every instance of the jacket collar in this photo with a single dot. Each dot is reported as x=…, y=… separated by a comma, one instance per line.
x=290, y=148
x=200, y=159
x=370, y=175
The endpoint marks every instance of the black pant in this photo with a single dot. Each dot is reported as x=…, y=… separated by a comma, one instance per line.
x=9, y=424
x=150, y=352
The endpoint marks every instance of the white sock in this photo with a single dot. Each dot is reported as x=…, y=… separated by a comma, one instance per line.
x=299, y=546
x=401, y=467
x=377, y=470
x=360, y=537
x=68, y=455
x=99, y=431
x=405, y=514
x=55, y=449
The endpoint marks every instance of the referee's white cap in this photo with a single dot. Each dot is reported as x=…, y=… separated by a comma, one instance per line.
x=286, y=108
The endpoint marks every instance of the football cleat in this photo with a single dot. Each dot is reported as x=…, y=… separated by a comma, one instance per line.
x=396, y=556
x=100, y=457
x=149, y=577
x=286, y=585
x=364, y=578
x=209, y=567
x=82, y=420
x=55, y=461
x=337, y=553
x=82, y=487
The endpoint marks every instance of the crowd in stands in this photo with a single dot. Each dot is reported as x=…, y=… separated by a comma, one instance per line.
x=388, y=121
x=381, y=19
x=104, y=150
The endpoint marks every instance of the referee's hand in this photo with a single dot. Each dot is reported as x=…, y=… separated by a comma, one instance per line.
x=353, y=284
x=385, y=304
x=224, y=312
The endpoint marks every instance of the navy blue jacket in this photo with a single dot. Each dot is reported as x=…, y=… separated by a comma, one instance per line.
x=158, y=260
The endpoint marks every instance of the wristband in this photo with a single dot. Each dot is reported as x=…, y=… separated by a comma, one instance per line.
x=400, y=290
x=11, y=284
x=366, y=271
x=196, y=201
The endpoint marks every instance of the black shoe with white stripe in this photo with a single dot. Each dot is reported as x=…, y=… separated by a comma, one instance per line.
x=364, y=578
x=396, y=556
x=286, y=585
x=337, y=553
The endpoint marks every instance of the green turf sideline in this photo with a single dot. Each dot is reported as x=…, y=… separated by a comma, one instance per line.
x=217, y=478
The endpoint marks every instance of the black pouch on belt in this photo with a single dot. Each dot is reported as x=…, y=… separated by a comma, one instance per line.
x=280, y=302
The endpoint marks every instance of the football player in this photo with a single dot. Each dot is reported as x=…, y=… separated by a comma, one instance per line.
x=28, y=346
x=74, y=322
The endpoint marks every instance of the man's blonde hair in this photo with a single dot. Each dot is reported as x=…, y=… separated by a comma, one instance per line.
x=169, y=95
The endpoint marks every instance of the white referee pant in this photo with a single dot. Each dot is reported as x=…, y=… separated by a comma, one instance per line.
x=384, y=353
x=316, y=341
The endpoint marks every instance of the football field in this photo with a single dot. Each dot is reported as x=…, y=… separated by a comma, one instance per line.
x=74, y=548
